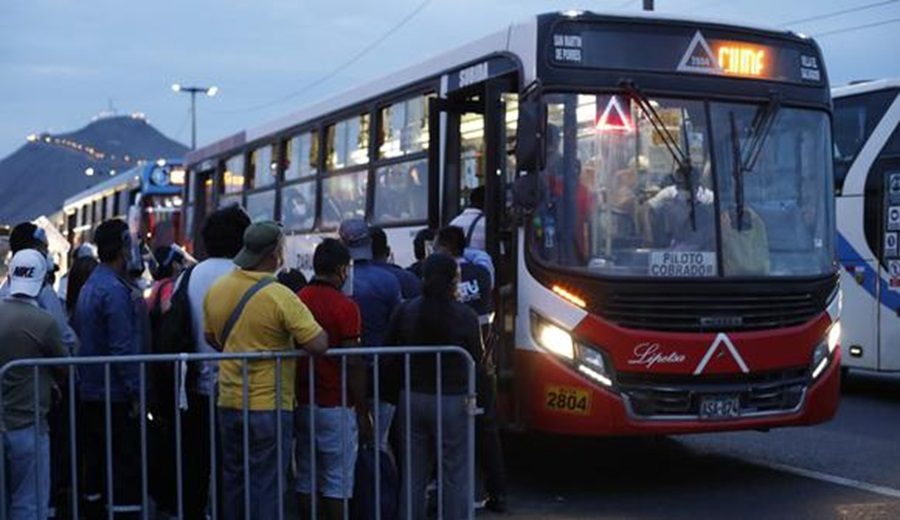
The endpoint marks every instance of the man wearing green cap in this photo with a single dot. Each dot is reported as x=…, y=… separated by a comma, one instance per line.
x=246, y=312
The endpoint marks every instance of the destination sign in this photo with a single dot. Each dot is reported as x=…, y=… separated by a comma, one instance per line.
x=661, y=48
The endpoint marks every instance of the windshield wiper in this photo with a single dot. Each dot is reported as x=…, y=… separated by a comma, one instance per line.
x=744, y=158
x=762, y=125
x=737, y=172
x=682, y=158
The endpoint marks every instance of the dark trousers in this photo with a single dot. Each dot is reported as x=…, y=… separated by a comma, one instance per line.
x=488, y=449
x=126, y=459
x=60, y=450
x=195, y=457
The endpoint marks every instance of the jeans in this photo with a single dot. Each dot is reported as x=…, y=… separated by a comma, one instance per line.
x=262, y=460
x=336, y=450
x=385, y=418
x=458, y=493
x=28, y=473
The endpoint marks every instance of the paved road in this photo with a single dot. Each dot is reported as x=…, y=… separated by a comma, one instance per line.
x=847, y=469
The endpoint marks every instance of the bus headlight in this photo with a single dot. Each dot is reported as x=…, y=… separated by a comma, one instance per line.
x=822, y=354
x=556, y=340
x=552, y=337
x=592, y=364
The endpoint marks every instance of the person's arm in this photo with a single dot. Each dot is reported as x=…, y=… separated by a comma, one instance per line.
x=356, y=371
x=122, y=332
x=297, y=318
x=209, y=331
x=48, y=301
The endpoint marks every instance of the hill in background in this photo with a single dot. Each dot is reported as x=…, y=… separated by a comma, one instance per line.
x=49, y=168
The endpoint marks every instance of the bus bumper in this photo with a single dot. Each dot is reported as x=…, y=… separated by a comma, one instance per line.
x=568, y=404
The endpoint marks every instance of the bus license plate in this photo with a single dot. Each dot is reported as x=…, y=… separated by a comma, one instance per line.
x=567, y=399
x=720, y=407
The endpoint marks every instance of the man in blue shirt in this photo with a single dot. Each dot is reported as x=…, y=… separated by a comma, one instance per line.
x=111, y=320
x=377, y=293
x=410, y=284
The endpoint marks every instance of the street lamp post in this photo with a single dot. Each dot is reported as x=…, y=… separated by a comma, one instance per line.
x=193, y=91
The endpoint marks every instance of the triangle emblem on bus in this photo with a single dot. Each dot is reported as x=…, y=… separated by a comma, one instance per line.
x=614, y=117
x=699, y=57
x=721, y=340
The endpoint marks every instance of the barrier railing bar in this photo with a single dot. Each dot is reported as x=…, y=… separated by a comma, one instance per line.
x=109, y=443
x=377, y=398
x=311, y=414
x=278, y=439
x=179, y=476
x=346, y=504
x=440, y=436
x=245, y=414
x=36, y=375
x=73, y=443
x=213, y=457
x=407, y=444
x=145, y=509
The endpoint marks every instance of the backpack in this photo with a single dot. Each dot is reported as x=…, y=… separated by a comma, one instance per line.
x=363, y=505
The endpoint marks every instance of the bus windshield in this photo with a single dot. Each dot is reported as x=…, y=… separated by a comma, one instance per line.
x=744, y=193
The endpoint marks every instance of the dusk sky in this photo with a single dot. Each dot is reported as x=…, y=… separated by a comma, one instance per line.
x=65, y=61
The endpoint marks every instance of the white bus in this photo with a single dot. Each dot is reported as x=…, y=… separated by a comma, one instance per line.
x=675, y=271
x=867, y=186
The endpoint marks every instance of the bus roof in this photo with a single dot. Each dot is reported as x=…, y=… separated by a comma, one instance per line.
x=865, y=86
x=519, y=39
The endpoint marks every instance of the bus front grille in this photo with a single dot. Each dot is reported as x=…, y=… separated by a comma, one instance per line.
x=710, y=312
x=649, y=396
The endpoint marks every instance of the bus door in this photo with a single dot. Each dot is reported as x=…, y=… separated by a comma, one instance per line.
x=887, y=171
x=468, y=129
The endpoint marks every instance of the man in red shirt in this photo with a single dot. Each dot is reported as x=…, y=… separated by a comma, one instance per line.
x=340, y=419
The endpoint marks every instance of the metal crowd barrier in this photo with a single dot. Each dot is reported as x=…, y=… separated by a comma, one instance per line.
x=180, y=362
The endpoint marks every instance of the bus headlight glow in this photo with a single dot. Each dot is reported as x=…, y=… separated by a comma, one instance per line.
x=593, y=364
x=834, y=336
x=822, y=355
x=553, y=338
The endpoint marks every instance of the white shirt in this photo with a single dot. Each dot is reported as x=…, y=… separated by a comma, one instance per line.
x=465, y=219
x=203, y=276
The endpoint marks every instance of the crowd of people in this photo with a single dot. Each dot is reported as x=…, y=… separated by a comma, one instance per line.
x=327, y=411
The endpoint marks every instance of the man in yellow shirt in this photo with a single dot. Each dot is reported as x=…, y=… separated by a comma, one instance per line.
x=245, y=312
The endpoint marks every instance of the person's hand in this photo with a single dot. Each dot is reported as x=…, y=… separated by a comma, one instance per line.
x=365, y=425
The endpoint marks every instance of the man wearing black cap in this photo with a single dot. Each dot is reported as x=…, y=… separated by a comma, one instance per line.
x=29, y=236
x=248, y=311
x=377, y=293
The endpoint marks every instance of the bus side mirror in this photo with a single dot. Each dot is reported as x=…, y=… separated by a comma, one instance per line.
x=530, y=150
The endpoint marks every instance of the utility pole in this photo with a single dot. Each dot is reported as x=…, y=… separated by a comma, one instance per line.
x=648, y=5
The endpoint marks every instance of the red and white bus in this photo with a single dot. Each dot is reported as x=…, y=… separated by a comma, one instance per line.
x=659, y=211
